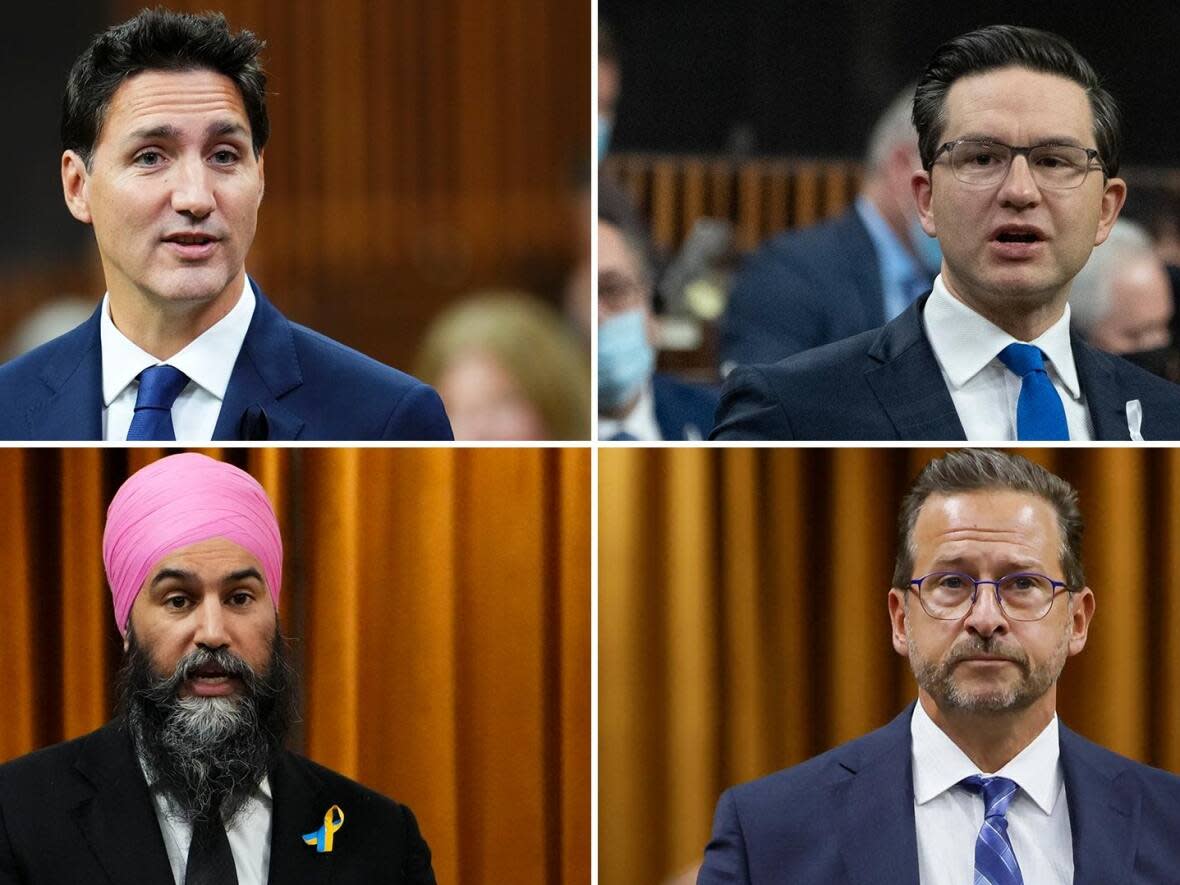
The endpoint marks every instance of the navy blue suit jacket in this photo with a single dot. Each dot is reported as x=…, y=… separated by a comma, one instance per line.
x=289, y=382
x=848, y=816
x=80, y=812
x=683, y=411
x=802, y=289
x=886, y=384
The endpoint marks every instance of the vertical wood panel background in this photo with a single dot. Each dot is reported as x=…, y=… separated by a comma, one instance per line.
x=419, y=150
x=439, y=604
x=743, y=623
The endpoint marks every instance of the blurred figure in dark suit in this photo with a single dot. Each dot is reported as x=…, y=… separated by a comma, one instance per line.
x=635, y=402
x=812, y=286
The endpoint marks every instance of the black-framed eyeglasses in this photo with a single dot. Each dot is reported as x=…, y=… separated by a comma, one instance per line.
x=1055, y=166
x=1025, y=596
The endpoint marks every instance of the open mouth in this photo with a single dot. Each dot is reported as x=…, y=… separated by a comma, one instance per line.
x=194, y=245
x=1012, y=237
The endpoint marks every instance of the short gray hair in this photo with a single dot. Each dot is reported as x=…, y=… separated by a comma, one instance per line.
x=1091, y=294
x=977, y=470
x=895, y=126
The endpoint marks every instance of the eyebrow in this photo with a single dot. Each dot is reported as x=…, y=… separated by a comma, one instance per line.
x=218, y=128
x=188, y=576
x=1052, y=139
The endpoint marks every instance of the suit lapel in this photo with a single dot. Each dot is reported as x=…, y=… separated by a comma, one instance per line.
x=1104, y=811
x=875, y=806
x=73, y=409
x=1104, y=398
x=267, y=368
x=119, y=819
x=908, y=381
x=299, y=808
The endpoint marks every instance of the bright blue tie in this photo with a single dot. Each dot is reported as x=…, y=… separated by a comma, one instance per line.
x=1039, y=413
x=159, y=386
x=995, y=863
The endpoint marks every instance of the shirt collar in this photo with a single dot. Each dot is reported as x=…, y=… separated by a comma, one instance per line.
x=640, y=422
x=939, y=764
x=964, y=342
x=208, y=360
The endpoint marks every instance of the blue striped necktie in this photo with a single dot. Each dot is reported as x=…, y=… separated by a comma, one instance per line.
x=159, y=386
x=995, y=862
x=1039, y=413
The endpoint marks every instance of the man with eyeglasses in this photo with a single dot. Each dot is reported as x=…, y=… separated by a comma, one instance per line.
x=977, y=781
x=635, y=402
x=1019, y=144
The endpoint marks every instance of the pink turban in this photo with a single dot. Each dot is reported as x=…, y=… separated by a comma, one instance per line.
x=178, y=501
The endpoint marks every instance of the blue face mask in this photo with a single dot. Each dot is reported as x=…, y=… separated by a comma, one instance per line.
x=625, y=358
x=926, y=247
x=605, y=125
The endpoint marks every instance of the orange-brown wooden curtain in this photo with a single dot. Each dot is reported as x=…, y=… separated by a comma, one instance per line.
x=743, y=623
x=440, y=606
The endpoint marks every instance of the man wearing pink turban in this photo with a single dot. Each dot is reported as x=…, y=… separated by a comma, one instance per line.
x=191, y=784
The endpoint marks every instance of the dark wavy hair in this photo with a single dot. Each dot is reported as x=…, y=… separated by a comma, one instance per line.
x=160, y=40
x=1002, y=46
x=977, y=470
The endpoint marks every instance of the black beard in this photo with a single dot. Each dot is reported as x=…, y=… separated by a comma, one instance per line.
x=207, y=753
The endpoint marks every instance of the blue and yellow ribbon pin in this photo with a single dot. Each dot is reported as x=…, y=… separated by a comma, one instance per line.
x=322, y=838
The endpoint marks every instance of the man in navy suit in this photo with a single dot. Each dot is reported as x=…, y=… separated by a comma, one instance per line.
x=978, y=780
x=818, y=284
x=634, y=401
x=164, y=123
x=1019, y=146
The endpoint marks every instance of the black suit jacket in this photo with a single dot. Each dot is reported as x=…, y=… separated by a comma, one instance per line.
x=289, y=382
x=848, y=816
x=79, y=813
x=886, y=384
x=803, y=289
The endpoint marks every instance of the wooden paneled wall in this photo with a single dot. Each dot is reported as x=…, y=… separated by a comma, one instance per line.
x=759, y=196
x=419, y=150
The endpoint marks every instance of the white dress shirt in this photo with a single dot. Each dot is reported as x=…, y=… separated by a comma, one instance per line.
x=640, y=422
x=249, y=837
x=983, y=389
x=948, y=817
x=208, y=361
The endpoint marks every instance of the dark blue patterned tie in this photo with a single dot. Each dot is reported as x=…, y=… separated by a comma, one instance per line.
x=1039, y=413
x=995, y=862
x=159, y=386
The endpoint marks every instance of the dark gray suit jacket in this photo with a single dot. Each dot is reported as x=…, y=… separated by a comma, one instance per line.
x=886, y=384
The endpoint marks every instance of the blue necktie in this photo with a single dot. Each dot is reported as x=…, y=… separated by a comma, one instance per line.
x=159, y=386
x=1039, y=413
x=995, y=863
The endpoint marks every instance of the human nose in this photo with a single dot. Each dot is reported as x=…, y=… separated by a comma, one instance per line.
x=986, y=617
x=191, y=193
x=1019, y=188
x=210, y=627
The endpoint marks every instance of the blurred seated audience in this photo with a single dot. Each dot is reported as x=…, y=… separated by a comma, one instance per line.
x=818, y=284
x=634, y=401
x=508, y=367
x=1121, y=301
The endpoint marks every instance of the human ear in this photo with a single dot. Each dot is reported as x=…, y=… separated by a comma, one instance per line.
x=923, y=189
x=75, y=184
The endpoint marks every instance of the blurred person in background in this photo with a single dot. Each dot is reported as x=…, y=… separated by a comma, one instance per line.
x=48, y=321
x=508, y=368
x=855, y=272
x=634, y=401
x=1121, y=301
x=164, y=125
x=609, y=83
